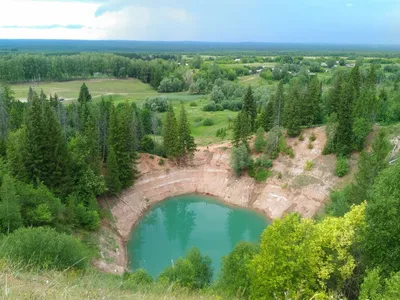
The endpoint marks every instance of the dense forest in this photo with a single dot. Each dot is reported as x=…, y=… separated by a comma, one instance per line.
x=57, y=159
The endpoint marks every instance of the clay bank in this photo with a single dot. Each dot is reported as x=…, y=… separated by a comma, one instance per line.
x=291, y=189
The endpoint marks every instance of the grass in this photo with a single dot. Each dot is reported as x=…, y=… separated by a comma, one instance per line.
x=15, y=283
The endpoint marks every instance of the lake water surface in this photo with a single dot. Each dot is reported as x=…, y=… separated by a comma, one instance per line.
x=170, y=228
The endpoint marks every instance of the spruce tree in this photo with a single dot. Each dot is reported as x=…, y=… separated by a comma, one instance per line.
x=250, y=108
x=267, y=116
x=10, y=215
x=145, y=116
x=114, y=185
x=335, y=94
x=293, y=115
x=91, y=134
x=170, y=134
x=47, y=158
x=259, y=142
x=186, y=142
x=311, y=105
x=84, y=95
x=241, y=129
x=279, y=105
x=343, y=141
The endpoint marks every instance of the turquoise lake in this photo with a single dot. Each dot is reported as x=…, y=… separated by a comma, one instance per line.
x=170, y=228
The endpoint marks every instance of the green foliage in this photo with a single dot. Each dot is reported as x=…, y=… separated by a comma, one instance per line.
x=235, y=277
x=193, y=104
x=84, y=95
x=241, y=129
x=147, y=144
x=193, y=271
x=114, y=185
x=156, y=104
x=381, y=244
x=10, y=215
x=170, y=84
x=342, y=166
x=240, y=159
x=138, y=278
x=221, y=132
x=374, y=287
x=309, y=165
x=170, y=134
x=207, y=122
x=249, y=108
x=186, y=143
x=259, y=142
x=44, y=248
x=293, y=114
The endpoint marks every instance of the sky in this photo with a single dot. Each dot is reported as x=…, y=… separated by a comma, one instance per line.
x=304, y=21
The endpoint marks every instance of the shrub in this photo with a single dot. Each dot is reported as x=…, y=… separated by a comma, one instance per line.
x=240, y=159
x=310, y=145
x=219, y=107
x=161, y=162
x=44, y=248
x=210, y=106
x=193, y=104
x=313, y=137
x=309, y=165
x=342, y=166
x=159, y=104
x=301, y=137
x=261, y=175
x=198, y=119
x=221, y=133
x=263, y=162
x=208, y=122
x=139, y=277
x=193, y=271
x=235, y=276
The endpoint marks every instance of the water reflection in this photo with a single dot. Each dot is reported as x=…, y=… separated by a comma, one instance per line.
x=173, y=226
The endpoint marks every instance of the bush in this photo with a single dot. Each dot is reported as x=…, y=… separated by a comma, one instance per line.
x=208, y=122
x=193, y=271
x=309, y=165
x=139, y=277
x=263, y=162
x=44, y=248
x=261, y=175
x=219, y=107
x=170, y=84
x=159, y=104
x=235, y=277
x=210, y=106
x=221, y=133
x=193, y=104
x=310, y=145
x=342, y=166
x=301, y=137
x=161, y=162
x=240, y=159
x=313, y=137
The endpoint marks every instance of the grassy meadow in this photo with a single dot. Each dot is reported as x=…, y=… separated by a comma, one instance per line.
x=134, y=90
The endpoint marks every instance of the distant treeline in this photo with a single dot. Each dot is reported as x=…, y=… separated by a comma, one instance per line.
x=187, y=47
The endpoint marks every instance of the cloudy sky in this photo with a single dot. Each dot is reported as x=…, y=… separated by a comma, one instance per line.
x=323, y=21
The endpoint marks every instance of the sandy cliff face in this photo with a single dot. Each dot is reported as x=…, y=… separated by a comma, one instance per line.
x=295, y=190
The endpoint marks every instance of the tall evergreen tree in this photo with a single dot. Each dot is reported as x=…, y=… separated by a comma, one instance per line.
x=250, y=108
x=10, y=215
x=47, y=158
x=145, y=116
x=241, y=129
x=84, y=95
x=335, y=94
x=170, y=134
x=311, y=105
x=293, y=115
x=267, y=115
x=279, y=105
x=344, y=137
x=114, y=185
x=186, y=142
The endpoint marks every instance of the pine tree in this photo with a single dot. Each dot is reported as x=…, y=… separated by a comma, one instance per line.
x=84, y=95
x=267, y=116
x=145, y=116
x=241, y=129
x=293, y=115
x=343, y=141
x=250, y=108
x=279, y=105
x=311, y=103
x=10, y=215
x=91, y=134
x=186, y=142
x=47, y=158
x=335, y=94
x=170, y=134
x=114, y=185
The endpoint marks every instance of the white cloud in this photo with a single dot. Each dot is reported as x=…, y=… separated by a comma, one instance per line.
x=131, y=22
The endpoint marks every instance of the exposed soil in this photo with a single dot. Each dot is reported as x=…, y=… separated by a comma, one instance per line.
x=290, y=189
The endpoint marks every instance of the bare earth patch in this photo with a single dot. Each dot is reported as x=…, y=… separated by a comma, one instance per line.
x=291, y=189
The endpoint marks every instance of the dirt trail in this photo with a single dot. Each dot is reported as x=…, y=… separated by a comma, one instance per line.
x=291, y=189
